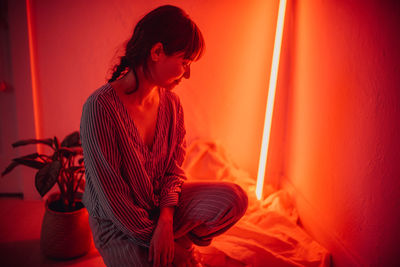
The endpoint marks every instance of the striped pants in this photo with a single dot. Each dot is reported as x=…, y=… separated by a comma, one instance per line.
x=205, y=210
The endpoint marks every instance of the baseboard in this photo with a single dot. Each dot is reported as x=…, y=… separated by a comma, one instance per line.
x=12, y=195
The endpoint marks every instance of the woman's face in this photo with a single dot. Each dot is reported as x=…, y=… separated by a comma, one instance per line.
x=168, y=71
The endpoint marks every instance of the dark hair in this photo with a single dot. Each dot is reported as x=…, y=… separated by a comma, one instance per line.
x=168, y=25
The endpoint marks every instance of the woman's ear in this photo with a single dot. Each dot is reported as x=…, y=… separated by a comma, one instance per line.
x=157, y=51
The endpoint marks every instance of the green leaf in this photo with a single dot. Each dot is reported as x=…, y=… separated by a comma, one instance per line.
x=56, y=142
x=78, y=151
x=47, y=141
x=10, y=168
x=67, y=152
x=73, y=168
x=31, y=156
x=47, y=177
x=27, y=160
x=81, y=185
x=72, y=140
x=30, y=162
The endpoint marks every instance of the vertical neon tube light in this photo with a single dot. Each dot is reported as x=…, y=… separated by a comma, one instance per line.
x=34, y=74
x=271, y=97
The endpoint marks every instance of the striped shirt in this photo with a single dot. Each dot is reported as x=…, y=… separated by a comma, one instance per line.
x=126, y=180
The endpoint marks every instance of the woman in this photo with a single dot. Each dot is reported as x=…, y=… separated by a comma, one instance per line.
x=133, y=138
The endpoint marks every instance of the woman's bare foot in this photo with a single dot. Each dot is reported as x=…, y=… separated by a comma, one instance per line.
x=185, y=242
x=185, y=254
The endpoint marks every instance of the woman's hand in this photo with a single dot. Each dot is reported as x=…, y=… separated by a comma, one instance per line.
x=161, y=250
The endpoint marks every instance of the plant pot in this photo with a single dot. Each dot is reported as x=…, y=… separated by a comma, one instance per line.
x=64, y=235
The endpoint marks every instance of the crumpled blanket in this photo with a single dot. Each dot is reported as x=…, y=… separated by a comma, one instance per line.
x=268, y=234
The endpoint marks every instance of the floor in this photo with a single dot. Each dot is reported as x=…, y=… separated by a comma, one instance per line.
x=20, y=234
x=20, y=226
x=268, y=234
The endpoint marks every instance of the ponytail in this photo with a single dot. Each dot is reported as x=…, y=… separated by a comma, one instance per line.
x=119, y=69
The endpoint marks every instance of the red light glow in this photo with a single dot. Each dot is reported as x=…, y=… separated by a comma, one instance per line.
x=271, y=97
x=34, y=76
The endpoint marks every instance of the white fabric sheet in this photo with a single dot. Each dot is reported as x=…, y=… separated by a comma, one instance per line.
x=268, y=234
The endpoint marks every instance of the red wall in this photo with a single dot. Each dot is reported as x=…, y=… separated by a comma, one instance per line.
x=335, y=136
x=16, y=103
x=77, y=43
x=336, y=131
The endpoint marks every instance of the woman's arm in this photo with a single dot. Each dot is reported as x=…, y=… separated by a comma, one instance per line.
x=174, y=175
x=162, y=243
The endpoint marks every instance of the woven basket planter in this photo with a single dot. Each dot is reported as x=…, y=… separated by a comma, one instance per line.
x=64, y=235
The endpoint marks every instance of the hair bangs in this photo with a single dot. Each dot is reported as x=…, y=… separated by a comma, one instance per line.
x=195, y=45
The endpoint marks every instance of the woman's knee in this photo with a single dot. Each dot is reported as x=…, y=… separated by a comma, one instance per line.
x=220, y=195
x=239, y=197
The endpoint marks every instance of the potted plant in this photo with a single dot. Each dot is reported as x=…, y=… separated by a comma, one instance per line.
x=65, y=230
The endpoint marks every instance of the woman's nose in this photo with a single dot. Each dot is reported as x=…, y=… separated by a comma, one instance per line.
x=187, y=72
